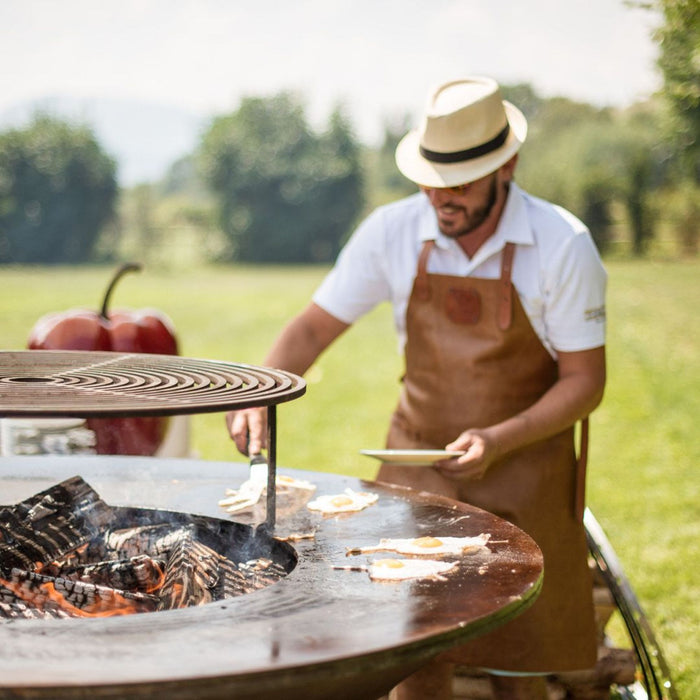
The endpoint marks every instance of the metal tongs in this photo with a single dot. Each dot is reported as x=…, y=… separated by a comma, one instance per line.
x=250, y=491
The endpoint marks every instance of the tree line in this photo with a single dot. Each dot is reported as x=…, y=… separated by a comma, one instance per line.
x=263, y=186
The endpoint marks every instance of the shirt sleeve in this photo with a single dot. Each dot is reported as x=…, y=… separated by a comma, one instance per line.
x=358, y=280
x=575, y=289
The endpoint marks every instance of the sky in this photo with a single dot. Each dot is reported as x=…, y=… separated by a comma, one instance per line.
x=378, y=58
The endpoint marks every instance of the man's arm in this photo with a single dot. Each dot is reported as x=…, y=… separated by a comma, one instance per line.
x=301, y=341
x=578, y=390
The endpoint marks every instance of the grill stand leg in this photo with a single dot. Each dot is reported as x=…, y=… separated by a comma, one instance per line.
x=271, y=510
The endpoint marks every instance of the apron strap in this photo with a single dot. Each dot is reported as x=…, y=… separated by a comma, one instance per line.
x=581, y=463
x=505, y=311
x=421, y=285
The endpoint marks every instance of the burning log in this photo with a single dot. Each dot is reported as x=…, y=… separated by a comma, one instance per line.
x=50, y=524
x=191, y=575
x=77, y=598
x=155, y=540
x=19, y=609
x=196, y=574
x=139, y=573
x=262, y=572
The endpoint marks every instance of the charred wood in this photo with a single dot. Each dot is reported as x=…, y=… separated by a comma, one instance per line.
x=77, y=598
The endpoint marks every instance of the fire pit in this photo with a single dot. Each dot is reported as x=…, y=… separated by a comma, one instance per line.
x=316, y=632
x=65, y=553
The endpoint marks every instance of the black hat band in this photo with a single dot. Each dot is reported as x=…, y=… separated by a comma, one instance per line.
x=469, y=153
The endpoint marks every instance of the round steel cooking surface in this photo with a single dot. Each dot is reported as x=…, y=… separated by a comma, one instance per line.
x=316, y=633
x=57, y=383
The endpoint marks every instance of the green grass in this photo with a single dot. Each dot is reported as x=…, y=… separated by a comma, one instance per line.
x=643, y=485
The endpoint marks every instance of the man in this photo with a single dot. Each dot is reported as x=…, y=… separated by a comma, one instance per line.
x=498, y=299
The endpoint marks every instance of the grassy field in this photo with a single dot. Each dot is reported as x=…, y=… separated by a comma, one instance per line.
x=643, y=484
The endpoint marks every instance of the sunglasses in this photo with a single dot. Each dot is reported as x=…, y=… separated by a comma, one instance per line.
x=457, y=189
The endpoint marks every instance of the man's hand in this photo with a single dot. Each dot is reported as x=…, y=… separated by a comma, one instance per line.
x=479, y=453
x=577, y=391
x=248, y=429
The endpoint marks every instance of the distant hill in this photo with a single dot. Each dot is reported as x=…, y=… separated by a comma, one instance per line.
x=145, y=138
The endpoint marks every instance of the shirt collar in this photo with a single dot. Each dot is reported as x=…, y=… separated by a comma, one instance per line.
x=514, y=225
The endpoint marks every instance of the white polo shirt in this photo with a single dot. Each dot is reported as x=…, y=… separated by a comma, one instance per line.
x=556, y=270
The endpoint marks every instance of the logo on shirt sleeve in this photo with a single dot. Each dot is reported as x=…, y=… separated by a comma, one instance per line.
x=597, y=314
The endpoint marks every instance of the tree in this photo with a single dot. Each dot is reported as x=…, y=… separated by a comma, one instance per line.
x=679, y=60
x=626, y=161
x=527, y=100
x=384, y=181
x=57, y=190
x=589, y=159
x=678, y=37
x=561, y=160
x=285, y=194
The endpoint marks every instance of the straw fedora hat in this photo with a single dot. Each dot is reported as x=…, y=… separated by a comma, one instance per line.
x=467, y=132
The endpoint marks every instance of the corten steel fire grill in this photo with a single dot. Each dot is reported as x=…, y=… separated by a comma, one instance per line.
x=318, y=632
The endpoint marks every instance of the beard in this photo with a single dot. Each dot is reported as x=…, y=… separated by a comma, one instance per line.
x=471, y=218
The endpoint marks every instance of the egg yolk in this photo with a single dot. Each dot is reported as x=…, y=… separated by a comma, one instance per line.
x=390, y=563
x=427, y=542
x=341, y=501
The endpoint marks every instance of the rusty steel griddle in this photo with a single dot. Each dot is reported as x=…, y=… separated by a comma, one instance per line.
x=317, y=633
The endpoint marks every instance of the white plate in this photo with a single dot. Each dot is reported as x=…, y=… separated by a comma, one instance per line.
x=413, y=458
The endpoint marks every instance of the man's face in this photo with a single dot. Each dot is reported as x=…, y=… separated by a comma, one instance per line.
x=461, y=210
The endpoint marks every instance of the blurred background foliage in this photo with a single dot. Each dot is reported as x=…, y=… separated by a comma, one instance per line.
x=57, y=193
x=263, y=186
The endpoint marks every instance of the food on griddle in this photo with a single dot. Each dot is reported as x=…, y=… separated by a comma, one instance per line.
x=282, y=482
x=430, y=546
x=252, y=490
x=402, y=569
x=347, y=502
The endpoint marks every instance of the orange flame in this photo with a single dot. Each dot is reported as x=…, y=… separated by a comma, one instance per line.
x=115, y=605
x=158, y=581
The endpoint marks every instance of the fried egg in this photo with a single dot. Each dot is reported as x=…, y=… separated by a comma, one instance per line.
x=283, y=482
x=430, y=546
x=401, y=569
x=346, y=502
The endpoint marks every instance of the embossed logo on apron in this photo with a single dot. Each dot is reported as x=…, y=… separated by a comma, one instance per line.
x=463, y=305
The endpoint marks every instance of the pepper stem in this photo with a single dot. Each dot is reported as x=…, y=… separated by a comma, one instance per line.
x=126, y=267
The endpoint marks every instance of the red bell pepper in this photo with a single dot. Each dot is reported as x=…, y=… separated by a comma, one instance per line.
x=143, y=331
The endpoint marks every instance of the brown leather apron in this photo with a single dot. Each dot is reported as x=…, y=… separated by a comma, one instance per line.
x=472, y=360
